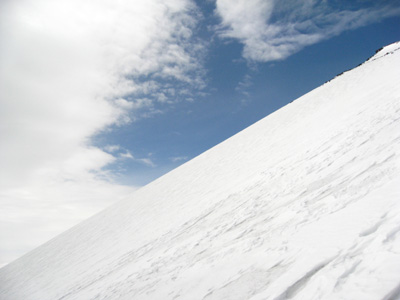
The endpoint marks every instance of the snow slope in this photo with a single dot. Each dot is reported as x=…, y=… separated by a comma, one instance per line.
x=304, y=204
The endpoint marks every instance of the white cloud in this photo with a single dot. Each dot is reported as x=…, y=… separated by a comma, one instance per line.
x=68, y=70
x=147, y=161
x=178, y=158
x=127, y=154
x=112, y=148
x=244, y=85
x=273, y=30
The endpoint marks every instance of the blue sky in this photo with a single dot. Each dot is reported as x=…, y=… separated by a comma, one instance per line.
x=98, y=98
x=237, y=94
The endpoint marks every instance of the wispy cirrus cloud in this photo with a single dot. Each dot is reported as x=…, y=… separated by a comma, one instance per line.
x=273, y=30
x=69, y=70
x=144, y=160
x=178, y=158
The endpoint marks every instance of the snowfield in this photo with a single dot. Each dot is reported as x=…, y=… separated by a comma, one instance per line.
x=304, y=204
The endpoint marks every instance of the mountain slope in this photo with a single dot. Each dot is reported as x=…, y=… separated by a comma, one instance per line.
x=303, y=204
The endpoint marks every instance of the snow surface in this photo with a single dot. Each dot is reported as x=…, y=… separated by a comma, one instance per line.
x=304, y=204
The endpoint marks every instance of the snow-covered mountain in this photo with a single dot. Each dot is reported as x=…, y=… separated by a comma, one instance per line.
x=304, y=204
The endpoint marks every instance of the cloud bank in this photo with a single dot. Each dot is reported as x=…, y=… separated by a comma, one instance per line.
x=69, y=70
x=273, y=30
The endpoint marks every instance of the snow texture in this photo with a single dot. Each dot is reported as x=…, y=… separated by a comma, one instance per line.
x=304, y=204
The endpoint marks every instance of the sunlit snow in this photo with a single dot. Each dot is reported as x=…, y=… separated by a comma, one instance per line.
x=304, y=204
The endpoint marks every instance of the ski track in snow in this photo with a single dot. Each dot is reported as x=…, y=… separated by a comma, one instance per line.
x=304, y=204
